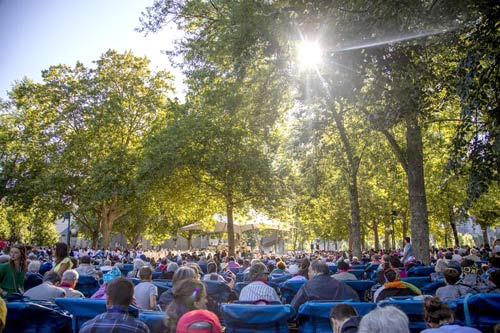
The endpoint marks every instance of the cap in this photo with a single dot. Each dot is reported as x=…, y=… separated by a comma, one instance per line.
x=199, y=321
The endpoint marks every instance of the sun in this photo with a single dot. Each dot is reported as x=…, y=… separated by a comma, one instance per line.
x=309, y=54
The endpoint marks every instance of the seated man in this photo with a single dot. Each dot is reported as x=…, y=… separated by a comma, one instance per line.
x=85, y=268
x=146, y=292
x=119, y=296
x=258, y=290
x=212, y=274
x=48, y=290
x=69, y=281
x=322, y=287
x=342, y=273
x=344, y=319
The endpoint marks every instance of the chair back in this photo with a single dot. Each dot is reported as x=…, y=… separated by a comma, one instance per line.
x=362, y=287
x=421, y=271
x=87, y=285
x=36, y=317
x=238, y=286
x=217, y=293
x=359, y=273
x=245, y=318
x=290, y=288
x=125, y=268
x=417, y=281
x=481, y=311
x=314, y=316
x=84, y=309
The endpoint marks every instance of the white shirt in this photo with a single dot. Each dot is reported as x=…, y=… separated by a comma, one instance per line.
x=258, y=290
x=143, y=292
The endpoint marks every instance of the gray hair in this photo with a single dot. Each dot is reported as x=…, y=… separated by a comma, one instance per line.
x=172, y=267
x=34, y=266
x=70, y=275
x=320, y=267
x=51, y=277
x=138, y=263
x=257, y=271
x=384, y=319
x=441, y=265
x=183, y=273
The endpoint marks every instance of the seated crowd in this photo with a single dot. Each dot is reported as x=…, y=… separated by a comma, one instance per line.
x=131, y=277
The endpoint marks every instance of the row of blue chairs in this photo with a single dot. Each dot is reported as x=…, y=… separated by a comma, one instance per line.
x=479, y=310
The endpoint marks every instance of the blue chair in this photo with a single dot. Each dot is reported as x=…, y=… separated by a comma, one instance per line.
x=162, y=286
x=481, y=311
x=421, y=271
x=275, y=281
x=243, y=318
x=32, y=280
x=126, y=268
x=359, y=266
x=333, y=269
x=46, y=266
x=371, y=268
x=156, y=275
x=362, y=287
x=238, y=286
x=289, y=289
x=204, y=268
x=417, y=281
x=431, y=287
x=154, y=319
x=414, y=309
x=359, y=273
x=135, y=281
x=240, y=277
x=84, y=309
x=235, y=270
x=36, y=317
x=217, y=293
x=87, y=285
x=314, y=316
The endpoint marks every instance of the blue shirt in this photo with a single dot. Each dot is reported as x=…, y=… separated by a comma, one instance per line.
x=115, y=320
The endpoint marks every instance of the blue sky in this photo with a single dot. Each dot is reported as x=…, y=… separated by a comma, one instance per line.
x=35, y=34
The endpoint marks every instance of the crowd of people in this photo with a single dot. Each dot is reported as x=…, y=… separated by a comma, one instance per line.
x=47, y=273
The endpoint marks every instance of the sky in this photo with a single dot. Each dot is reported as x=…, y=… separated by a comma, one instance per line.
x=36, y=34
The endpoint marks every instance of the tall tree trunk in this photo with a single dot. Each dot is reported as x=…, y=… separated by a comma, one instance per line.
x=484, y=229
x=405, y=228
x=453, y=225
x=230, y=225
x=375, y=235
x=416, y=190
x=355, y=237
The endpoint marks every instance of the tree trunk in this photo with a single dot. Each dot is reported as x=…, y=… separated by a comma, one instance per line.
x=375, y=235
x=405, y=228
x=354, y=239
x=416, y=190
x=484, y=229
x=230, y=225
x=387, y=240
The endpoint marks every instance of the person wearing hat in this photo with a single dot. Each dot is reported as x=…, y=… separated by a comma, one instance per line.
x=199, y=321
x=472, y=281
x=258, y=290
x=108, y=277
x=119, y=296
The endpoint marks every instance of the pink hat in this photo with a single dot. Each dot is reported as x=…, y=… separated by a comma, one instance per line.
x=199, y=321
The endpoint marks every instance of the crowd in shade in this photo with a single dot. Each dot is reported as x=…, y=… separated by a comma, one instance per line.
x=179, y=283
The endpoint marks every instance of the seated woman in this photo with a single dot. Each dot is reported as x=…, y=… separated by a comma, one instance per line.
x=188, y=295
x=439, y=318
x=279, y=270
x=439, y=269
x=183, y=273
x=393, y=287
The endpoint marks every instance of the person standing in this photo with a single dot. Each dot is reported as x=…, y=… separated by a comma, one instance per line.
x=12, y=273
x=62, y=260
x=407, y=251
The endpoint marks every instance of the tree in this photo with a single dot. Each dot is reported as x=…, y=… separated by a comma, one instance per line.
x=79, y=135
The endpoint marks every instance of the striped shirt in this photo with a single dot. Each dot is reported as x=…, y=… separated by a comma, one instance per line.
x=115, y=320
x=258, y=290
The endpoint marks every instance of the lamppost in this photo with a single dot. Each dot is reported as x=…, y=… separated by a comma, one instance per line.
x=67, y=216
x=394, y=213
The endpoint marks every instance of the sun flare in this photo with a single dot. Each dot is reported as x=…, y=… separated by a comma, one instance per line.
x=309, y=54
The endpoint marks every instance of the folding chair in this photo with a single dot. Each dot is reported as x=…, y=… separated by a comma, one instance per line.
x=481, y=311
x=421, y=271
x=243, y=318
x=289, y=289
x=87, y=285
x=36, y=317
x=362, y=287
x=417, y=281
